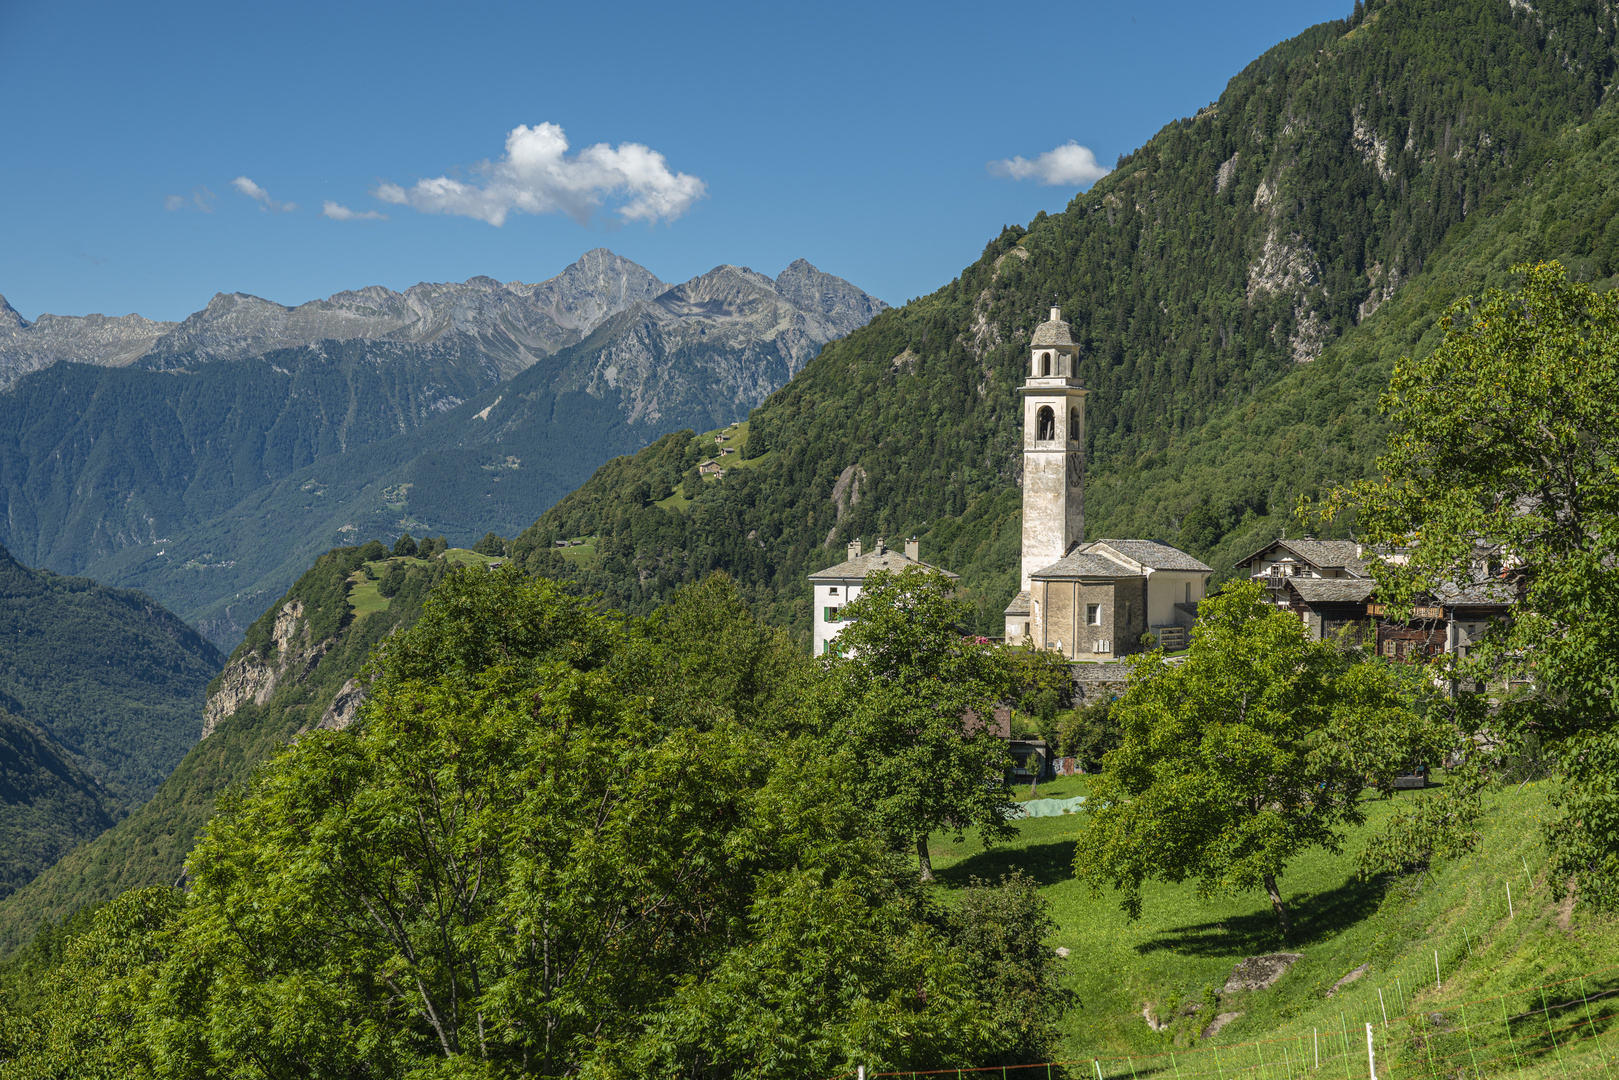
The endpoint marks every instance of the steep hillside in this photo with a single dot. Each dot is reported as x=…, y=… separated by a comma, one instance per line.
x=292, y=673
x=48, y=805
x=1282, y=224
x=106, y=674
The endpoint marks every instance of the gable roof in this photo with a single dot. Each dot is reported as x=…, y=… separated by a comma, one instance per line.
x=857, y=568
x=1320, y=553
x=1019, y=604
x=1083, y=564
x=1154, y=554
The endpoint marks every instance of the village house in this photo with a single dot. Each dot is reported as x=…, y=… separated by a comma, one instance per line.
x=1283, y=560
x=837, y=585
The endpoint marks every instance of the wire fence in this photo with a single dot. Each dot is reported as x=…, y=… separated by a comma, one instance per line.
x=1558, y=1027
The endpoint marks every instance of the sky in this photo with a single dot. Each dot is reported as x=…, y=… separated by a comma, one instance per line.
x=158, y=154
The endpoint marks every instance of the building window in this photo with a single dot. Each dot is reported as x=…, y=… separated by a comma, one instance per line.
x=1073, y=425
x=833, y=591
x=1045, y=364
x=1046, y=421
x=831, y=614
x=1188, y=592
x=1093, y=614
x=1390, y=648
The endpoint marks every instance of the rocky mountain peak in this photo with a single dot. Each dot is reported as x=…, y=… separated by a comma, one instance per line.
x=847, y=307
x=9, y=317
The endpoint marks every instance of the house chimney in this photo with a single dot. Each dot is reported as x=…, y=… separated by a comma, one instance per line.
x=881, y=547
x=854, y=549
x=913, y=549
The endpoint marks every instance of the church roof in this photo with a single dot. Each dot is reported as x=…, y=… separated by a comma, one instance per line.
x=1019, y=604
x=1083, y=564
x=857, y=568
x=1154, y=554
x=1051, y=332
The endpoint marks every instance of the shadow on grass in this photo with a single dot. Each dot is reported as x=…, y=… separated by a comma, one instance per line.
x=1316, y=917
x=1047, y=864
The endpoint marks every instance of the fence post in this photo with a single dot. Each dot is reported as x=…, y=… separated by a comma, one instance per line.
x=860, y=1072
x=1437, y=985
x=1344, y=1024
x=1385, y=1009
x=1315, y=1035
x=1509, y=900
x=1371, y=1054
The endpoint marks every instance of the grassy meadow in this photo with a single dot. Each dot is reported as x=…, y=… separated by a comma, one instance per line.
x=1486, y=1016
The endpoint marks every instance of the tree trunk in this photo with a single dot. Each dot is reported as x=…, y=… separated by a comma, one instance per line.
x=923, y=859
x=1280, y=908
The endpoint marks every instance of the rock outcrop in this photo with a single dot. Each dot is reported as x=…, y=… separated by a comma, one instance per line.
x=254, y=676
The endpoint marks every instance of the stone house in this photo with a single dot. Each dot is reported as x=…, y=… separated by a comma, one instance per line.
x=1282, y=560
x=835, y=586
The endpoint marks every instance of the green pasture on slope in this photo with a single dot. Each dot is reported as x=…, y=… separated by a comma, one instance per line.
x=1484, y=1017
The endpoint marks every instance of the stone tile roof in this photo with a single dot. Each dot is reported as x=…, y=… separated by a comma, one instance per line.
x=1019, y=604
x=1321, y=553
x=1477, y=594
x=1154, y=554
x=1332, y=590
x=1052, y=332
x=1084, y=564
x=857, y=568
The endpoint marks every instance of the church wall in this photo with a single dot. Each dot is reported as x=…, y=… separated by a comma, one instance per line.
x=1046, y=511
x=1129, y=614
x=1166, y=588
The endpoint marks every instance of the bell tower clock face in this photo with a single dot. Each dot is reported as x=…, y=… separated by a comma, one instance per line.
x=1076, y=470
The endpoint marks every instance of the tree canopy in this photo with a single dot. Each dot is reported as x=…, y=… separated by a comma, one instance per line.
x=1502, y=478
x=1253, y=750
x=556, y=842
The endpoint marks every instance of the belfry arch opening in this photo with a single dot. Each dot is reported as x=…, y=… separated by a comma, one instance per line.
x=1045, y=364
x=1046, y=424
x=1073, y=425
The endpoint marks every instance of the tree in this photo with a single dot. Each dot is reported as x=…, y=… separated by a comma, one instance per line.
x=1502, y=475
x=1255, y=749
x=519, y=861
x=405, y=545
x=490, y=545
x=907, y=704
x=372, y=550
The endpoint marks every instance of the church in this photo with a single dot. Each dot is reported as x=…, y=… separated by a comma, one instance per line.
x=1089, y=601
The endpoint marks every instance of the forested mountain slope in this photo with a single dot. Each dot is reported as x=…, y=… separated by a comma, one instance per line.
x=107, y=674
x=289, y=675
x=47, y=804
x=1216, y=259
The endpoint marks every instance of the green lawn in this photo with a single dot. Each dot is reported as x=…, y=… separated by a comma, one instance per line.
x=583, y=553
x=363, y=595
x=1183, y=949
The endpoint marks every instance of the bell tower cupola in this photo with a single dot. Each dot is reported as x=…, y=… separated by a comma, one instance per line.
x=1053, y=448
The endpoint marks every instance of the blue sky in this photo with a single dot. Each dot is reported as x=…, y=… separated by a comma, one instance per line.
x=859, y=136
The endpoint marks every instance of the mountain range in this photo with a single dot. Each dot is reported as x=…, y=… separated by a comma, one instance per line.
x=208, y=461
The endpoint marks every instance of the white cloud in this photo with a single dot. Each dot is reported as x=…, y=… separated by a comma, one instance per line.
x=259, y=195
x=200, y=198
x=538, y=177
x=339, y=212
x=1069, y=164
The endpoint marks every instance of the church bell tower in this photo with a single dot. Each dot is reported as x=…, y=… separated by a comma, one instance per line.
x=1053, y=448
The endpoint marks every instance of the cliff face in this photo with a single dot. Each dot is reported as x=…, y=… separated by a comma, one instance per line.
x=252, y=677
